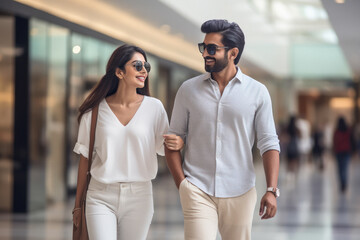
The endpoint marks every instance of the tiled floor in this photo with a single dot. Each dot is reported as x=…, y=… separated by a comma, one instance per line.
x=310, y=207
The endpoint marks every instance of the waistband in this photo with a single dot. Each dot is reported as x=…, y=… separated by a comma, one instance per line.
x=131, y=185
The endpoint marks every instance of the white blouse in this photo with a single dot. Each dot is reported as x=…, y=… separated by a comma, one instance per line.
x=125, y=153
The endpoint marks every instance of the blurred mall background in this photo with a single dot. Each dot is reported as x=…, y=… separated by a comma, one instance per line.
x=52, y=52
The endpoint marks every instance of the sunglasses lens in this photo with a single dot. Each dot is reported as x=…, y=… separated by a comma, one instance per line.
x=147, y=66
x=201, y=47
x=211, y=48
x=138, y=66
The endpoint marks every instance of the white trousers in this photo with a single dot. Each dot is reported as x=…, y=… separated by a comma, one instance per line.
x=205, y=214
x=119, y=211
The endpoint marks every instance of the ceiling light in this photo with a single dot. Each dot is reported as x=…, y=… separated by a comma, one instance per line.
x=76, y=49
x=329, y=36
x=341, y=103
x=340, y=1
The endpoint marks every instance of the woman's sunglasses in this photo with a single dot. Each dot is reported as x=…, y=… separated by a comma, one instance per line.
x=211, y=48
x=139, y=65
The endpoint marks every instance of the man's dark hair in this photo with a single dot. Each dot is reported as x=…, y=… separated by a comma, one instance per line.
x=232, y=35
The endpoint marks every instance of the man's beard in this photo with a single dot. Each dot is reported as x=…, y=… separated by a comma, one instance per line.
x=218, y=66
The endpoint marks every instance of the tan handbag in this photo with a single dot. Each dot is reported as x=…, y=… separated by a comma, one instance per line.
x=80, y=232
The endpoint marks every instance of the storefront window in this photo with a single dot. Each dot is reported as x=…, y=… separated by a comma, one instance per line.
x=48, y=73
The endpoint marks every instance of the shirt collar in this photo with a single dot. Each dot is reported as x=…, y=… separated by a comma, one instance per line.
x=238, y=76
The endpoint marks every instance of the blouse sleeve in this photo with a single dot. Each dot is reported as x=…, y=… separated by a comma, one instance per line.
x=82, y=144
x=162, y=128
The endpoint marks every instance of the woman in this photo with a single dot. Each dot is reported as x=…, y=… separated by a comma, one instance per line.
x=129, y=133
x=342, y=149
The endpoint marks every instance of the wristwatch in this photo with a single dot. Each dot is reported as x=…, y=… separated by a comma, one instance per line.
x=274, y=190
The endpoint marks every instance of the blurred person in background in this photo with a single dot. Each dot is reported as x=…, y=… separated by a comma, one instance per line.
x=304, y=141
x=328, y=130
x=219, y=114
x=283, y=138
x=292, y=147
x=342, y=150
x=318, y=146
x=129, y=134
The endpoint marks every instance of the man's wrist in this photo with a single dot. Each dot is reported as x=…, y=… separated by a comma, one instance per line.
x=180, y=180
x=274, y=190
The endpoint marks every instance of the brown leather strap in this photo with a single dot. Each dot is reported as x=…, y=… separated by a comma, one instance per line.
x=94, y=115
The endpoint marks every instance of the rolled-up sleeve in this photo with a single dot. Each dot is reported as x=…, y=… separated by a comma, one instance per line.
x=267, y=138
x=82, y=144
x=179, y=116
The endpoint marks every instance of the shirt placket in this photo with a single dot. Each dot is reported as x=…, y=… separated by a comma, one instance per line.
x=219, y=130
x=218, y=146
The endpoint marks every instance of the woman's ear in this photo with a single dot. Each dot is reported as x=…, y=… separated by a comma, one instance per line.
x=119, y=73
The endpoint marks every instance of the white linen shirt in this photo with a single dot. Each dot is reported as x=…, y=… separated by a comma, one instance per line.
x=125, y=153
x=220, y=130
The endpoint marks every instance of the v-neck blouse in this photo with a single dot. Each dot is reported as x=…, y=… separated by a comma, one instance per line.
x=125, y=153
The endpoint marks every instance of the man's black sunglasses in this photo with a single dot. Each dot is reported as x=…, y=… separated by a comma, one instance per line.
x=139, y=65
x=211, y=48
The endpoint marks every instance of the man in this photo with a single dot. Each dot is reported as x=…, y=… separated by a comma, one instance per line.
x=219, y=114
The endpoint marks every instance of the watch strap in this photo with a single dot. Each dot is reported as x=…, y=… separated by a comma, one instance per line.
x=274, y=190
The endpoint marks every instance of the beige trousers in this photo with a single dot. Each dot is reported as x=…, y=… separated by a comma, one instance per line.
x=205, y=214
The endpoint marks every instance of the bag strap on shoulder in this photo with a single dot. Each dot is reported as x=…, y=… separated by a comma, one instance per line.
x=94, y=115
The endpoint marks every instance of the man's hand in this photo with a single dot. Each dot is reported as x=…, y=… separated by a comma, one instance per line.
x=268, y=203
x=173, y=142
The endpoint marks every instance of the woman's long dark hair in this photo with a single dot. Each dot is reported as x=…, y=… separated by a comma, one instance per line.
x=109, y=82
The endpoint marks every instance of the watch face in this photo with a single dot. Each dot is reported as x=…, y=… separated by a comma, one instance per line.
x=277, y=192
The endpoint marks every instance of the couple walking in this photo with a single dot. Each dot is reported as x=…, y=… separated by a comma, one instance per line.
x=216, y=117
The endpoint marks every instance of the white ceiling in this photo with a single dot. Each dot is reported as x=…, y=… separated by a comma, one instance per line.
x=284, y=38
x=276, y=32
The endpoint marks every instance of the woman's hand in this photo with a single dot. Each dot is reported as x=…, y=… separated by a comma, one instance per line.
x=76, y=216
x=173, y=142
